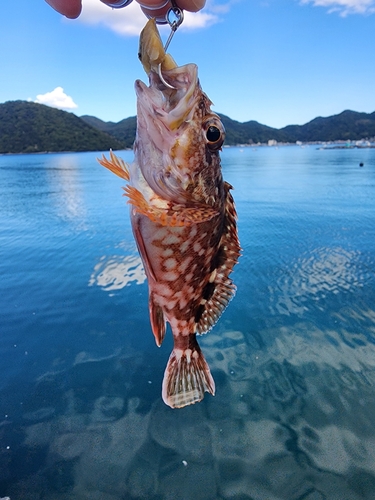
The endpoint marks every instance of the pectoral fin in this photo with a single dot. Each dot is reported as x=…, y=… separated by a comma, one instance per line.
x=175, y=216
x=157, y=321
x=142, y=251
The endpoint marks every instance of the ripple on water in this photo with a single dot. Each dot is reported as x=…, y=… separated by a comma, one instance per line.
x=313, y=276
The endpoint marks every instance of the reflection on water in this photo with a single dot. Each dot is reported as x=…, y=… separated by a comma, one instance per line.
x=288, y=423
x=114, y=273
x=293, y=357
x=65, y=187
x=316, y=274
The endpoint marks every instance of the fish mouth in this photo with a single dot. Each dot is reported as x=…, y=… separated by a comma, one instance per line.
x=170, y=98
x=172, y=93
x=166, y=118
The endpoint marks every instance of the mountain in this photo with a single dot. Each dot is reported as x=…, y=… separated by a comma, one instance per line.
x=250, y=132
x=348, y=125
x=123, y=131
x=27, y=127
x=236, y=132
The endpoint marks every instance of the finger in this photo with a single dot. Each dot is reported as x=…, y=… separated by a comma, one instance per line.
x=69, y=8
x=155, y=8
x=191, y=5
x=116, y=4
x=159, y=8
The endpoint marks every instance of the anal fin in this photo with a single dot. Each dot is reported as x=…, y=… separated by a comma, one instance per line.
x=187, y=377
x=214, y=307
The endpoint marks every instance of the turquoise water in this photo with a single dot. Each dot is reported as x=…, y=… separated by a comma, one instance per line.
x=293, y=356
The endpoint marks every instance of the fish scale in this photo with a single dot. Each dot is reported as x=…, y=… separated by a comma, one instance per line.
x=182, y=213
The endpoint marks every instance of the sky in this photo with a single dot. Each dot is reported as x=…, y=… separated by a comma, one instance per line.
x=279, y=62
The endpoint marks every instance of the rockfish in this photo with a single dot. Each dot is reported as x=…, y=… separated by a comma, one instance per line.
x=182, y=213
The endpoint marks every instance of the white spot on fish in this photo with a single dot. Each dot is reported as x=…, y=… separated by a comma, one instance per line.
x=163, y=289
x=170, y=264
x=189, y=277
x=170, y=276
x=193, y=231
x=184, y=265
x=183, y=303
x=167, y=252
x=171, y=304
x=197, y=247
x=171, y=239
x=185, y=245
x=160, y=234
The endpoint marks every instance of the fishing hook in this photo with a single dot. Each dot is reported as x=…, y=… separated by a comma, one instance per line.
x=162, y=78
x=175, y=17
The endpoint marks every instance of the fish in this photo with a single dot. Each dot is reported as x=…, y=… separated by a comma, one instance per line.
x=182, y=213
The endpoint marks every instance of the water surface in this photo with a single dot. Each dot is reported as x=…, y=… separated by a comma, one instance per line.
x=293, y=356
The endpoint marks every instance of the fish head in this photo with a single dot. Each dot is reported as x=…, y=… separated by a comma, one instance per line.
x=178, y=136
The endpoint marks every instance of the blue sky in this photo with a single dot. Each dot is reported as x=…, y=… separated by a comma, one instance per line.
x=278, y=62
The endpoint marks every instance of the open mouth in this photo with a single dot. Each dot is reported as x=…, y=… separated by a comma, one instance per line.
x=171, y=98
x=170, y=95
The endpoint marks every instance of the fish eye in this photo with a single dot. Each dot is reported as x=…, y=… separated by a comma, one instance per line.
x=215, y=134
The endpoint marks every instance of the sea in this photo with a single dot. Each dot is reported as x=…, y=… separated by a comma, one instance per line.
x=293, y=356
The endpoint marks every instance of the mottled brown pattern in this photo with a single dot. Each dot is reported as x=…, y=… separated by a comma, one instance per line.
x=183, y=216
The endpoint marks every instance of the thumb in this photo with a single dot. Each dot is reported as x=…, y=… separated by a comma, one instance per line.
x=69, y=8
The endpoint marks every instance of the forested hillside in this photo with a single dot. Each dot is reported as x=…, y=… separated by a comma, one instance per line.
x=27, y=127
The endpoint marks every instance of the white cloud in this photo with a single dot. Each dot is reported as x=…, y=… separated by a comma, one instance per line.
x=345, y=7
x=127, y=21
x=56, y=99
x=130, y=20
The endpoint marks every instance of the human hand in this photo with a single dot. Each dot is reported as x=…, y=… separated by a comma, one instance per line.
x=152, y=8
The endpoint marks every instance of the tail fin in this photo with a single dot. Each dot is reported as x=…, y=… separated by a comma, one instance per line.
x=186, y=377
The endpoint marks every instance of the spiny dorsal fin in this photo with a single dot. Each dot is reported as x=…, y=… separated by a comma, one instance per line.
x=115, y=165
x=221, y=289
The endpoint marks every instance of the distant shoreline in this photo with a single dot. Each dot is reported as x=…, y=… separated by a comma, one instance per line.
x=351, y=146
x=272, y=144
